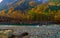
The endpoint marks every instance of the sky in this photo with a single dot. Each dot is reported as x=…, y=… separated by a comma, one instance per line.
x=1, y=1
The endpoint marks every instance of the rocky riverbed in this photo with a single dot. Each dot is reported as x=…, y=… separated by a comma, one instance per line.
x=52, y=31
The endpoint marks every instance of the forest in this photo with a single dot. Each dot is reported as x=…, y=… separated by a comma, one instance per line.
x=47, y=13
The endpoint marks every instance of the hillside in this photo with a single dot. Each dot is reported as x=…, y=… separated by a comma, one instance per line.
x=31, y=12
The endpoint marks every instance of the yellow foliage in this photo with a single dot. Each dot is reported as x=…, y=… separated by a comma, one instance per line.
x=14, y=14
x=58, y=4
x=28, y=16
x=52, y=12
x=52, y=3
x=49, y=10
x=40, y=12
x=39, y=8
x=10, y=10
x=23, y=15
x=31, y=3
x=57, y=16
x=36, y=11
x=42, y=7
x=59, y=11
x=2, y=13
x=33, y=9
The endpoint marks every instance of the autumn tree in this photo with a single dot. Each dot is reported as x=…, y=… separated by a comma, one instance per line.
x=57, y=16
x=10, y=10
x=14, y=14
x=2, y=13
